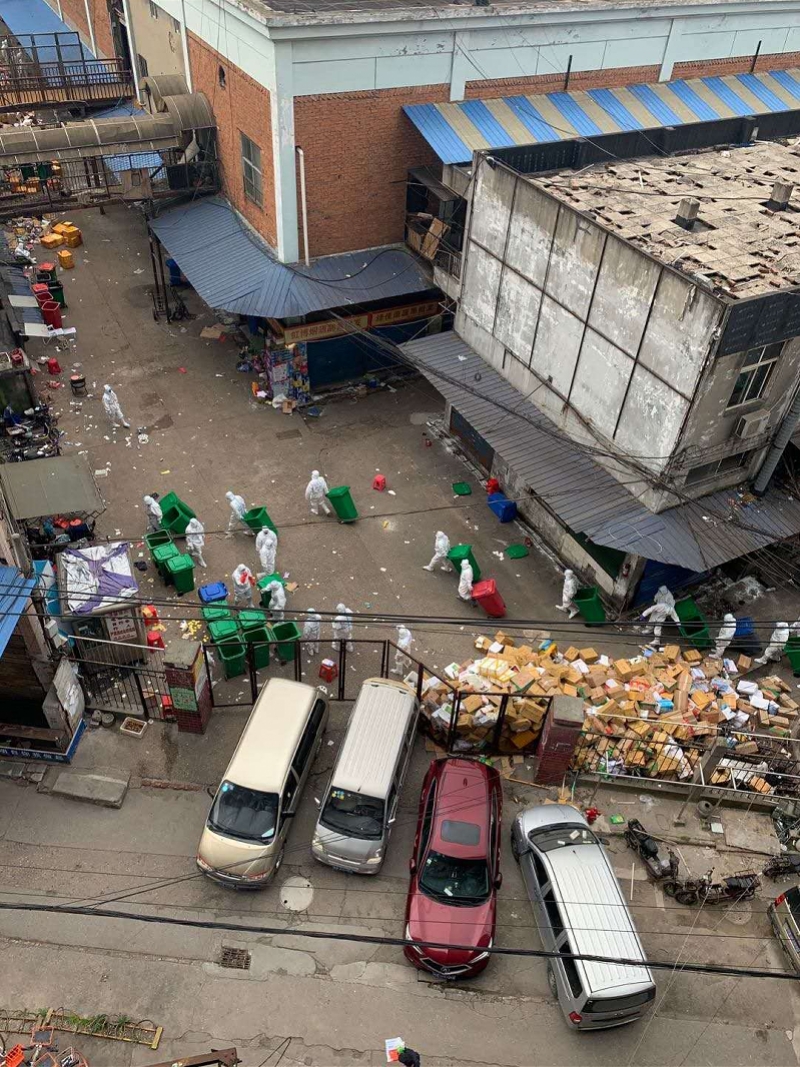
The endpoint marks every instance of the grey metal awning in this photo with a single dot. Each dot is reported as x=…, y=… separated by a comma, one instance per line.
x=232, y=269
x=63, y=485
x=698, y=535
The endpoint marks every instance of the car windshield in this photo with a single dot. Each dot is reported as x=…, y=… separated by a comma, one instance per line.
x=561, y=836
x=244, y=813
x=454, y=881
x=353, y=814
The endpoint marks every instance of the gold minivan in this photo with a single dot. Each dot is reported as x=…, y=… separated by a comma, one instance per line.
x=243, y=841
x=784, y=914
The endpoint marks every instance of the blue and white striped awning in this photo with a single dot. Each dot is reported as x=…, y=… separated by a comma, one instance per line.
x=455, y=131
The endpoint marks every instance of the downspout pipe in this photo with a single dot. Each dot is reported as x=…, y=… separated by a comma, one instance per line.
x=91, y=29
x=187, y=71
x=303, y=202
x=791, y=420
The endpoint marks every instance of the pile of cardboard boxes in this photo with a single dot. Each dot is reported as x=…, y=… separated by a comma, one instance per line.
x=652, y=715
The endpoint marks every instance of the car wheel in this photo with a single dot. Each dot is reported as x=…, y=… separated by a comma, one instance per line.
x=551, y=980
x=514, y=847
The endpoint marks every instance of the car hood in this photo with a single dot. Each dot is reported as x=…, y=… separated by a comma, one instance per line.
x=430, y=921
x=228, y=855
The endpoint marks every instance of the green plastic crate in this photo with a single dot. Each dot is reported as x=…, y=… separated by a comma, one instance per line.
x=286, y=634
x=181, y=570
x=343, y=503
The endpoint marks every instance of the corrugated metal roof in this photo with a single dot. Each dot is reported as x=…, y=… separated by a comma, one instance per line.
x=35, y=16
x=456, y=130
x=15, y=592
x=698, y=535
x=232, y=269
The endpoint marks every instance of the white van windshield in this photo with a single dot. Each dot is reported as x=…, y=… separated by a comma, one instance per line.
x=353, y=814
x=244, y=813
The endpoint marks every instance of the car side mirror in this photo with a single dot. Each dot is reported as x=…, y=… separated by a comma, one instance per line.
x=392, y=821
x=498, y=881
x=412, y=864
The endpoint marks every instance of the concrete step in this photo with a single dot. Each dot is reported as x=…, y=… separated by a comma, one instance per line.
x=103, y=789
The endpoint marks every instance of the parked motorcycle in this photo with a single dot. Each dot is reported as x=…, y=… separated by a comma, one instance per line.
x=737, y=887
x=658, y=867
x=783, y=866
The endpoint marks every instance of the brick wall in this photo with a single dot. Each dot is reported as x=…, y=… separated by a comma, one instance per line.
x=242, y=106
x=358, y=148
x=75, y=16
x=554, y=83
x=736, y=65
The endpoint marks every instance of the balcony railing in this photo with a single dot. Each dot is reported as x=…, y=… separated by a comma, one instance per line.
x=84, y=81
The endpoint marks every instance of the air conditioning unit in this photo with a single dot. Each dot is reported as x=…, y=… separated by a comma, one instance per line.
x=751, y=425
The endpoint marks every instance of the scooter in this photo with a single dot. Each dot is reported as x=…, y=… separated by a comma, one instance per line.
x=658, y=868
x=740, y=886
x=783, y=866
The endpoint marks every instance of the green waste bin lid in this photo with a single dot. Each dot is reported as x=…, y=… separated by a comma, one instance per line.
x=224, y=629
x=249, y=620
x=179, y=563
x=462, y=488
x=265, y=581
x=516, y=551
x=164, y=553
x=215, y=614
x=339, y=490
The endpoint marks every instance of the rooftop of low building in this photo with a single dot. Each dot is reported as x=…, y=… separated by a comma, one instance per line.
x=740, y=245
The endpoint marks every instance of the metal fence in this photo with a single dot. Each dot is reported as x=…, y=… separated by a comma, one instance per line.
x=53, y=68
x=121, y=678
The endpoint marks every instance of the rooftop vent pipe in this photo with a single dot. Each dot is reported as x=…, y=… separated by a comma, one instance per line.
x=781, y=194
x=688, y=210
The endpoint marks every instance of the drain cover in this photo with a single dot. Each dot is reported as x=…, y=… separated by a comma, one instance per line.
x=238, y=959
x=284, y=435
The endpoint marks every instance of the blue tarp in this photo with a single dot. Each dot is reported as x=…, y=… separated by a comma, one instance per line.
x=15, y=592
x=233, y=270
x=35, y=16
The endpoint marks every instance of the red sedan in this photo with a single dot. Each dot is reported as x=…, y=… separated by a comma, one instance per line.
x=455, y=869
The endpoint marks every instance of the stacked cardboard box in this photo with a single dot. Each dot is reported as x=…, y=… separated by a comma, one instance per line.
x=653, y=714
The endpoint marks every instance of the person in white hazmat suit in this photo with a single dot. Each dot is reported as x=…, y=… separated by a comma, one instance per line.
x=238, y=509
x=441, y=546
x=316, y=494
x=195, y=541
x=343, y=627
x=243, y=586
x=277, y=600
x=656, y=615
x=311, y=632
x=154, y=514
x=405, y=640
x=266, y=547
x=568, y=590
x=112, y=408
x=465, y=580
x=664, y=596
x=726, y=634
x=777, y=643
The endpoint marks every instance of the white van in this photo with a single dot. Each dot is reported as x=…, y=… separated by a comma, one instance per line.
x=360, y=802
x=580, y=910
x=242, y=844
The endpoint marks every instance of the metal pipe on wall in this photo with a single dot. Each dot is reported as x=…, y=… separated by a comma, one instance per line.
x=126, y=8
x=303, y=202
x=91, y=28
x=185, y=45
x=791, y=420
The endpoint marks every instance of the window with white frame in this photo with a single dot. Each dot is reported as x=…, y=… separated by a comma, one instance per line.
x=755, y=373
x=251, y=170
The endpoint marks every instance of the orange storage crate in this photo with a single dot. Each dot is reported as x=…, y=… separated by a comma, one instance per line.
x=65, y=260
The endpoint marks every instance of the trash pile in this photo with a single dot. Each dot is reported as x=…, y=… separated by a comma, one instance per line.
x=652, y=715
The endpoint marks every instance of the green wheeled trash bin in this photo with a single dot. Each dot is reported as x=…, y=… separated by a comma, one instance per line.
x=156, y=539
x=181, y=570
x=257, y=519
x=587, y=601
x=287, y=634
x=459, y=552
x=693, y=626
x=792, y=650
x=222, y=630
x=162, y=554
x=252, y=619
x=216, y=613
x=343, y=503
x=232, y=656
x=262, y=584
x=259, y=637
x=175, y=514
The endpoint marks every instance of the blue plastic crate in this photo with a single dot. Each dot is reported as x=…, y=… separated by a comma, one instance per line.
x=215, y=591
x=504, y=509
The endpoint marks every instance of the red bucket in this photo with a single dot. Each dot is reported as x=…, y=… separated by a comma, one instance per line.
x=52, y=314
x=42, y=295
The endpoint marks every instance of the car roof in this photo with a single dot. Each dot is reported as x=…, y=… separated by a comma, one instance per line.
x=374, y=738
x=596, y=916
x=544, y=816
x=463, y=796
x=266, y=746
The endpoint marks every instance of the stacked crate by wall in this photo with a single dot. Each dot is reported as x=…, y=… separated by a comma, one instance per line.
x=189, y=686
